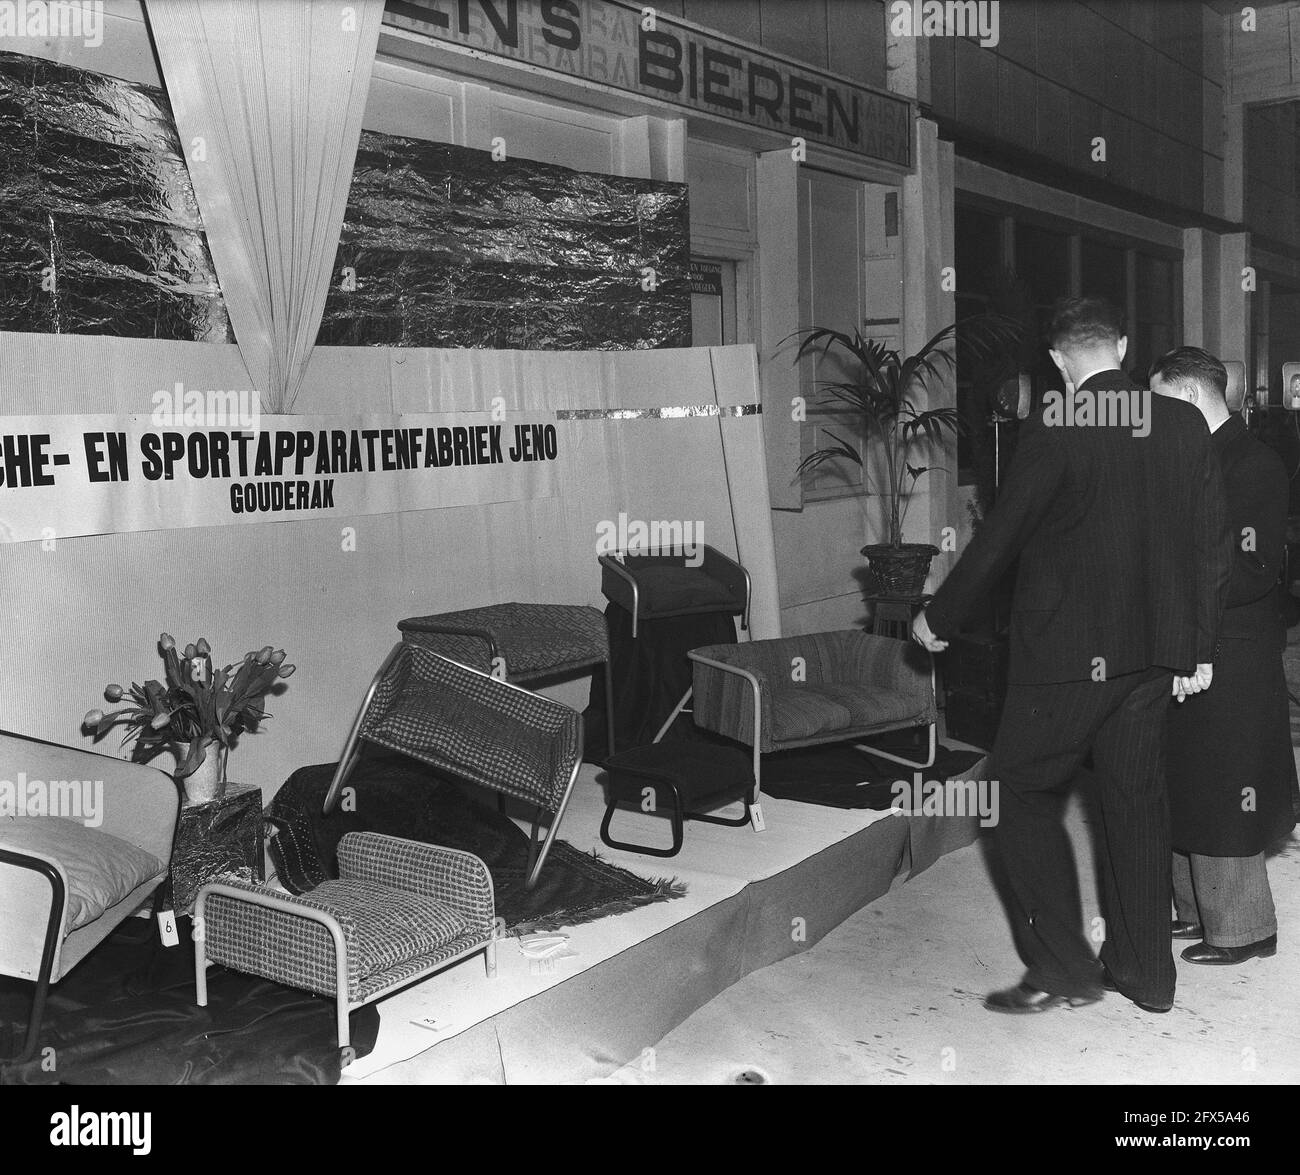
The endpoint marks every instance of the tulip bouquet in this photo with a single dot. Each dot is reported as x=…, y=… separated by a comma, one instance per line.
x=196, y=705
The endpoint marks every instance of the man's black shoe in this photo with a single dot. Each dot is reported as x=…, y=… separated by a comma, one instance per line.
x=1185, y=929
x=1023, y=999
x=1202, y=952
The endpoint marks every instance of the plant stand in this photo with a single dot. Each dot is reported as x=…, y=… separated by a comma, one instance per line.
x=218, y=838
x=893, y=615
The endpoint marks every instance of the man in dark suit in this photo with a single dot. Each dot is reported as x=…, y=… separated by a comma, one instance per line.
x=1114, y=505
x=1230, y=765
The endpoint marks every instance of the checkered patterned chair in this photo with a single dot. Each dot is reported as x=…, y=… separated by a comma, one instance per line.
x=472, y=725
x=520, y=642
x=399, y=910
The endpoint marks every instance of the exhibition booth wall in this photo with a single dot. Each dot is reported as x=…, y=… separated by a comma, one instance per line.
x=330, y=589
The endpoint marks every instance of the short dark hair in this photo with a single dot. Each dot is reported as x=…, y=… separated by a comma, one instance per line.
x=1080, y=322
x=1193, y=364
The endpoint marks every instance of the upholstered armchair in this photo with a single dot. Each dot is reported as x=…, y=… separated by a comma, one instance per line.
x=68, y=877
x=654, y=585
x=398, y=911
x=802, y=691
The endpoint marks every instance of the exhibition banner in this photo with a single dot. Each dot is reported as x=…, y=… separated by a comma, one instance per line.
x=81, y=475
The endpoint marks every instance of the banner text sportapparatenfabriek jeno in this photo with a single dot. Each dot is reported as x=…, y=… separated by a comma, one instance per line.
x=62, y=476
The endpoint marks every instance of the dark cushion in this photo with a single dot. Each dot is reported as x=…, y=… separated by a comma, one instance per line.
x=665, y=588
x=698, y=770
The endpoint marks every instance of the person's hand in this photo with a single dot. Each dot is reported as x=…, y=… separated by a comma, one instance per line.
x=922, y=634
x=1195, y=684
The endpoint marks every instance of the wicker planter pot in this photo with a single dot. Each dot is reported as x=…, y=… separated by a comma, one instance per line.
x=900, y=571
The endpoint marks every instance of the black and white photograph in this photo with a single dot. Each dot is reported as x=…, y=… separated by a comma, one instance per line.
x=702, y=543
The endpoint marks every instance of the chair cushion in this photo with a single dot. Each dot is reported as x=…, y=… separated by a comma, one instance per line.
x=384, y=927
x=805, y=711
x=868, y=707
x=697, y=769
x=101, y=868
x=532, y=638
x=664, y=588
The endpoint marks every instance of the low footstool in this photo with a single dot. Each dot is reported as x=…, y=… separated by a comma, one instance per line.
x=687, y=779
x=398, y=911
x=520, y=642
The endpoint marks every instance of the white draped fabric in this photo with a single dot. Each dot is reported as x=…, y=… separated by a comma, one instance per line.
x=268, y=97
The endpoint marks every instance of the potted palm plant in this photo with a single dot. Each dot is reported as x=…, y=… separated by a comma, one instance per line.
x=879, y=391
x=197, y=714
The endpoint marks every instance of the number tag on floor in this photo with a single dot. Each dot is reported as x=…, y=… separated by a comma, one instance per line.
x=167, y=928
x=756, y=817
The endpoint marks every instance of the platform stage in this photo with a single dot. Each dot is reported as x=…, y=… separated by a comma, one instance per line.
x=752, y=899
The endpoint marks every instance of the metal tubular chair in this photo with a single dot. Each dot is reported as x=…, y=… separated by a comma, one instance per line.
x=627, y=578
x=399, y=911
x=521, y=642
x=827, y=687
x=38, y=939
x=490, y=732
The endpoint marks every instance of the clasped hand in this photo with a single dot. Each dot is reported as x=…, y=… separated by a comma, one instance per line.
x=1199, y=681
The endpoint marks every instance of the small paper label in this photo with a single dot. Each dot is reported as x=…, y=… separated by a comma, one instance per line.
x=432, y=1023
x=756, y=817
x=167, y=928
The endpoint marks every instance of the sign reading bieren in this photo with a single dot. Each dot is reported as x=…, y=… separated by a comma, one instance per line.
x=80, y=475
x=606, y=41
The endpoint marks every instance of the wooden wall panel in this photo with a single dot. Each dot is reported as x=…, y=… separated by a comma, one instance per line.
x=976, y=85
x=855, y=36
x=1017, y=114
x=1118, y=68
x=737, y=18
x=1052, y=109
x=1018, y=32
x=797, y=30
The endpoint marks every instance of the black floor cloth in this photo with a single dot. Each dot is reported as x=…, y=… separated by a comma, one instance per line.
x=650, y=674
x=126, y=1016
x=838, y=776
x=400, y=796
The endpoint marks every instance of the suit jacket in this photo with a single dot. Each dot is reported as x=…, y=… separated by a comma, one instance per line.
x=1238, y=733
x=1123, y=539
x=1256, y=488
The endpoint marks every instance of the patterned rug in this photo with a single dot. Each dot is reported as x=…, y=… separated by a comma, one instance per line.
x=399, y=796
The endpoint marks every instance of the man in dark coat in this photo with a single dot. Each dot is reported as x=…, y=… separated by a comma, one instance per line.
x=1230, y=765
x=1114, y=504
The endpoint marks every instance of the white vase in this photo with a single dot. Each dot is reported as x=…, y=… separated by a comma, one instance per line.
x=208, y=781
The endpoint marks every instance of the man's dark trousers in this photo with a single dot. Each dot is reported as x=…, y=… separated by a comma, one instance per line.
x=1045, y=733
